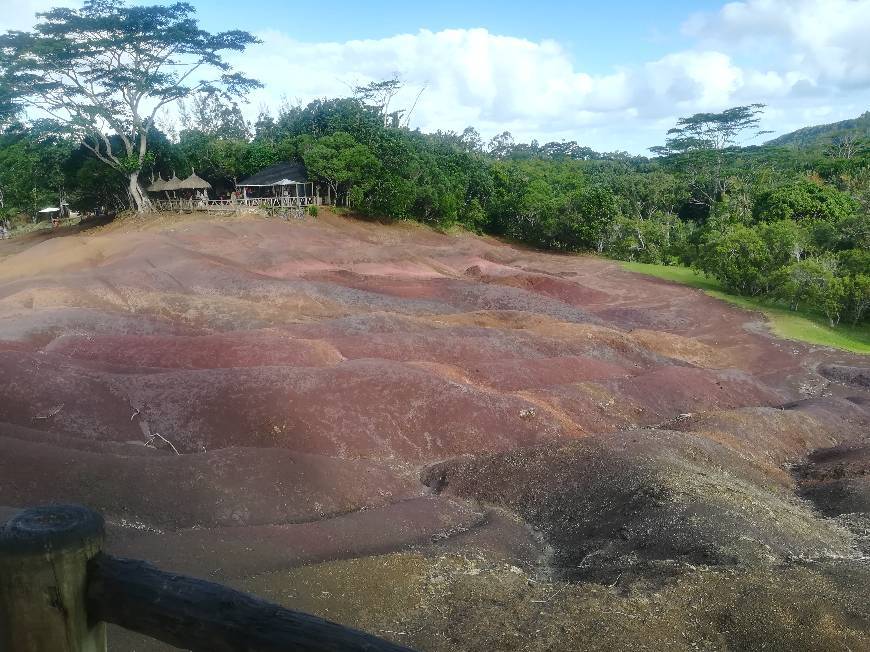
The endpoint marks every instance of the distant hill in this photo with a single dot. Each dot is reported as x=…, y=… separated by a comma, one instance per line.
x=820, y=135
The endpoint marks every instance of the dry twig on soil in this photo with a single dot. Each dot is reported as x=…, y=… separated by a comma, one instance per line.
x=151, y=439
x=52, y=412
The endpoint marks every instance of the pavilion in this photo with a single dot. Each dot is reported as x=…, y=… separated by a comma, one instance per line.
x=280, y=180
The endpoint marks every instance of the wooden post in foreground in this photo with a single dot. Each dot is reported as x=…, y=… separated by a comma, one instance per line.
x=44, y=554
x=201, y=616
x=58, y=589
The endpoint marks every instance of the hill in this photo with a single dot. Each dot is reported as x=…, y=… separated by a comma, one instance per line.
x=822, y=135
x=444, y=439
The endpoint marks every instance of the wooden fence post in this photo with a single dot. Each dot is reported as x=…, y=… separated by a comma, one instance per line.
x=44, y=553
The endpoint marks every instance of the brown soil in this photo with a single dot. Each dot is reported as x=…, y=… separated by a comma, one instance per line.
x=450, y=441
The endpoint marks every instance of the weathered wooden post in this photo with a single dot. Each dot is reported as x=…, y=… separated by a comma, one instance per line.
x=44, y=554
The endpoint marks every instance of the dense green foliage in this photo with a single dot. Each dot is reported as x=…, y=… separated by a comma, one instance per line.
x=32, y=172
x=789, y=226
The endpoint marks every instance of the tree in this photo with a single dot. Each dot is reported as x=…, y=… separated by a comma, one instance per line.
x=532, y=213
x=468, y=141
x=806, y=201
x=704, y=131
x=108, y=69
x=584, y=226
x=95, y=185
x=857, y=296
x=379, y=94
x=700, y=144
x=813, y=282
x=324, y=117
x=343, y=163
x=31, y=170
x=657, y=239
x=501, y=145
x=786, y=243
x=566, y=150
x=9, y=110
x=227, y=159
x=210, y=114
x=845, y=145
x=739, y=258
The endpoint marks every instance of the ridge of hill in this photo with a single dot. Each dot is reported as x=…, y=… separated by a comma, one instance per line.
x=819, y=135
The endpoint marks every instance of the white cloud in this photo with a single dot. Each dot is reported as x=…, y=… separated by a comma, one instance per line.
x=494, y=82
x=808, y=60
x=826, y=40
x=805, y=59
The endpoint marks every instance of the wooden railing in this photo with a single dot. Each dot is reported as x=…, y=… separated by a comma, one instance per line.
x=196, y=204
x=58, y=589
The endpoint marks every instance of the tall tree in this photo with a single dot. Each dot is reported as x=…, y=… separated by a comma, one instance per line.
x=108, y=69
x=211, y=115
x=379, y=94
x=700, y=143
x=845, y=145
x=501, y=145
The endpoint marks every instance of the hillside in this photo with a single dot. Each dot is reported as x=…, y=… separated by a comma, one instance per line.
x=821, y=135
x=450, y=441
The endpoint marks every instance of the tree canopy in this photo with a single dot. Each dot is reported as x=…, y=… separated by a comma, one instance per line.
x=108, y=69
x=712, y=131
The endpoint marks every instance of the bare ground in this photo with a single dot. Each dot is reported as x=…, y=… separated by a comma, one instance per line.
x=444, y=439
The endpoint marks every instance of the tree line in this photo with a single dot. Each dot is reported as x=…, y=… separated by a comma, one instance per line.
x=784, y=223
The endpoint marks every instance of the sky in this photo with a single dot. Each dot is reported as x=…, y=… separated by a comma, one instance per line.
x=610, y=75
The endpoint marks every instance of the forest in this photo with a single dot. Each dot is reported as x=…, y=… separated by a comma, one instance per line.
x=788, y=221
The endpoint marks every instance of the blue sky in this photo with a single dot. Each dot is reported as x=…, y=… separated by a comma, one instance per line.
x=611, y=75
x=598, y=34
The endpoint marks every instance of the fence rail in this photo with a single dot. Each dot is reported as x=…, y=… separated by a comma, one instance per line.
x=197, y=204
x=58, y=589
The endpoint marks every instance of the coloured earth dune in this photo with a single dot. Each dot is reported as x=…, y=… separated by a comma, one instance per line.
x=450, y=441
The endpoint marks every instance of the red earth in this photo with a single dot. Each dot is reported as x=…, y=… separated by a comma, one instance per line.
x=242, y=396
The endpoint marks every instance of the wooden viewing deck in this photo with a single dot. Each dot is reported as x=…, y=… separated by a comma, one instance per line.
x=58, y=589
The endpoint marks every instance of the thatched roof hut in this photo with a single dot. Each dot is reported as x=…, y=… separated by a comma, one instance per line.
x=194, y=182
x=158, y=185
x=172, y=184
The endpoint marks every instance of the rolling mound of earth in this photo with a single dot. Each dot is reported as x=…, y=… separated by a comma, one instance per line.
x=449, y=441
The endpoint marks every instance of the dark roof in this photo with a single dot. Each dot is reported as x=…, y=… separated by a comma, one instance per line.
x=275, y=174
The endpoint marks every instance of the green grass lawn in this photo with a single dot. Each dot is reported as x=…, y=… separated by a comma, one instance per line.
x=803, y=326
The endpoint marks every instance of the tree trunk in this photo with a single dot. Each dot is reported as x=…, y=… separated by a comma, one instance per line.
x=140, y=200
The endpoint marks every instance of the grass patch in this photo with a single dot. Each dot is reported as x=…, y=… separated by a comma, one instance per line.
x=802, y=326
x=30, y=227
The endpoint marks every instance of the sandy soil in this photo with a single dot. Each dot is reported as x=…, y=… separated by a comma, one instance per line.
x=450, y=441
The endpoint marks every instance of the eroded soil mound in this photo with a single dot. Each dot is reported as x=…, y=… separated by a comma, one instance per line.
x=646, y=502
x=453, y=442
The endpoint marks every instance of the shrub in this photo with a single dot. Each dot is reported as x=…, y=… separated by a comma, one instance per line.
x=805, y=200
